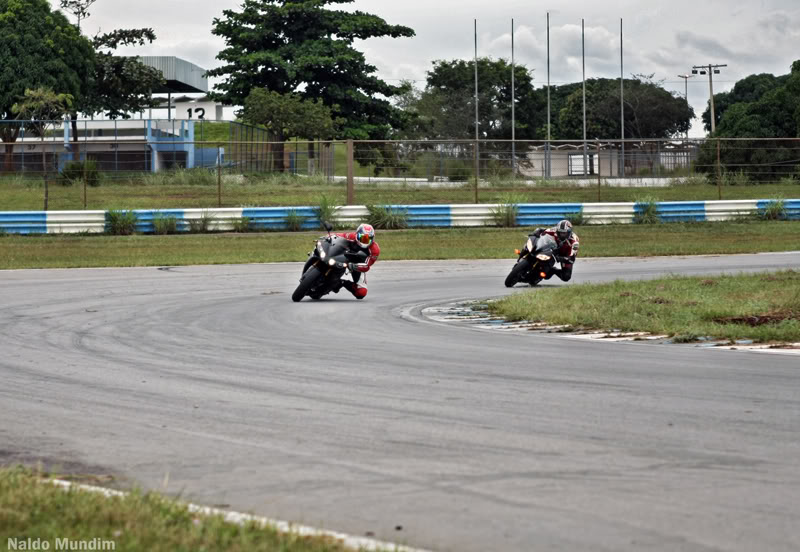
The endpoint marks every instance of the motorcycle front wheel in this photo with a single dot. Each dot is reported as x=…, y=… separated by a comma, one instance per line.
x=516, y=273
x=309, y=279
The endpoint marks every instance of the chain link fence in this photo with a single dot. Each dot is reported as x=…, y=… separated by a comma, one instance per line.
x=97, y=164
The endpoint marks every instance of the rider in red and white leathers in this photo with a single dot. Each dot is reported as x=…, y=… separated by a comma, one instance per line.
x=568, y=244
x=363, y=239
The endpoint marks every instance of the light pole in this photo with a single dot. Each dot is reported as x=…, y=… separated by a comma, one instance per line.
x=686, y=94
x=712, y=70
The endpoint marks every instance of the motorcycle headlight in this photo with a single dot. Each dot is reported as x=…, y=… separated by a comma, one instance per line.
x=529, y=245
x=321, y=251
x=542, y=257
x=332, y=262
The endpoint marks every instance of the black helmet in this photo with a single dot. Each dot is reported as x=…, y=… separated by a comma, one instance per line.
x=563, y=231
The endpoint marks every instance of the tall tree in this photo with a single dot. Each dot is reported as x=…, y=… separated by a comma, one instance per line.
x=39, y=48
x=303, y=47
x=41, y=109
x=765, y=107
x=449, y=99
x=747, y=90
x=650, y=111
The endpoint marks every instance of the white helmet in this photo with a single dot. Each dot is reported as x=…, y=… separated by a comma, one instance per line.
x=365, y=235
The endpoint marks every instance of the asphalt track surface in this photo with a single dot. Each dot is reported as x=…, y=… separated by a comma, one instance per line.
x=361, y=417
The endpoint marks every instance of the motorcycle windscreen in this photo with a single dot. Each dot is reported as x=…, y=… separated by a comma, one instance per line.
x=546, y=244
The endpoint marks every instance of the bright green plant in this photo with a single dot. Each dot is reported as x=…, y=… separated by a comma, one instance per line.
x=775, y=209
x=121, y=223
x=577, y=219
x=504, y=214
x=646, y=211
x=294, y=221
x=387, y=218
x=327, y=210
x=241, y=224
x=165, y=224
x=201, y=224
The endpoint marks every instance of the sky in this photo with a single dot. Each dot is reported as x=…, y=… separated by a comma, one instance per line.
x=661, y=38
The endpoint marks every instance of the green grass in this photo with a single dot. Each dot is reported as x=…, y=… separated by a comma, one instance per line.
x=198, y=189
x=65, y=251
x=33, y=509
x=761, y=307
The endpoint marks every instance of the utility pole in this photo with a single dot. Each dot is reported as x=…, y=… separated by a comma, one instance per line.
x=712, y=70
x=686, y=93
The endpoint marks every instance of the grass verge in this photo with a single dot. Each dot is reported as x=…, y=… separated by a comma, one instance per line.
x=33, y=509
x=704, y=238
x=197, y=188
x=762, y=307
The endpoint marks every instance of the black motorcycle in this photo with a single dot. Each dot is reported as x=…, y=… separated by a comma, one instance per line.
x=535, y=262
x=326, y=265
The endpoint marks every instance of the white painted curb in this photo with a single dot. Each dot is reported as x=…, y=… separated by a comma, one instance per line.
x=356, y=543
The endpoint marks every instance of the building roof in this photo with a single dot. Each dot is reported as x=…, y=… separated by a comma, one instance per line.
x=181, y=75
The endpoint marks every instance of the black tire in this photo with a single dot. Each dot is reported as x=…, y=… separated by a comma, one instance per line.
x=516, y=273
x=309, y=279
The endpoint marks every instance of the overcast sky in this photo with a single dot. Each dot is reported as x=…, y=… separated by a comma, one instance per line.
x=660, y=37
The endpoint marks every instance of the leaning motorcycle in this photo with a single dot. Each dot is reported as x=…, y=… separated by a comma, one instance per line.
x=535, y=262
x=326, y=265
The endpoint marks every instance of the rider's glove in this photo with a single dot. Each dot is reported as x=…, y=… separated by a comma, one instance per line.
x=352, y=267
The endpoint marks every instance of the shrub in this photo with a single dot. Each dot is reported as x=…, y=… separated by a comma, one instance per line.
x=294, y=221
x=505, y=213
x=241, y=224
x=738, y=178
x=327, y=210
x=165, y=224
x=201, y=224
x=75, y=171
x=576, y=219
x=121, y=223
x=387, y=218
x=646, y=211
x=775, y=209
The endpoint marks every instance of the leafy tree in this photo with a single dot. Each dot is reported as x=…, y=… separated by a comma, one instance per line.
x=288, y=115
x=121, y=85
x=39, y=48
x=767, y=107
x=747, y=90
x=40, y=109
x=650, y=111
x=449, y=99
x=302, y=47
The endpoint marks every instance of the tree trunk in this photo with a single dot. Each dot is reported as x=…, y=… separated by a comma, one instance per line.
x=76, y=143
x=9, y=137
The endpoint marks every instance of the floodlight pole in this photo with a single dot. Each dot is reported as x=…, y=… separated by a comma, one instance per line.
x=586, y=170
x=711, y=70
x=686, y=94
x=547, y=160
x=513, y=119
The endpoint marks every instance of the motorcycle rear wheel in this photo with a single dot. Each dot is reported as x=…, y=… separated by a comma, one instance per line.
x=309, y=278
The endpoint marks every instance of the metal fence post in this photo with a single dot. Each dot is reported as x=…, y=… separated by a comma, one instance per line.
x=598, y=170
x=719, y=171
x=219, y=177
x=350, y=173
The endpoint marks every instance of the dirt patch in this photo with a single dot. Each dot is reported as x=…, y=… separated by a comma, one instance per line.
x=660, y=301
x=708, y=283
x=754, y=320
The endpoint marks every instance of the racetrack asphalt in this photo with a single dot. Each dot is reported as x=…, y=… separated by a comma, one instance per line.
x=356, y=416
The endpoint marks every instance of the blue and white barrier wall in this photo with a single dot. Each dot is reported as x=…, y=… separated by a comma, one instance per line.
x=443, y=216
